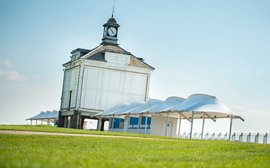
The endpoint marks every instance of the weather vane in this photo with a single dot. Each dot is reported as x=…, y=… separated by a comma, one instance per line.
x=113, y=8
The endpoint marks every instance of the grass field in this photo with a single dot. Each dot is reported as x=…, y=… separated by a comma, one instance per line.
x=67, y=151
x=45, y=128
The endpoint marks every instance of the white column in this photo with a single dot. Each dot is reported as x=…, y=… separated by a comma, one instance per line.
x=145, y=125
x=230, y=133
x=69, y=121
x=203, y=125
x=179, y=126
x=126, y=123
x=167, y=120
x=191, y=126
x=140, y=121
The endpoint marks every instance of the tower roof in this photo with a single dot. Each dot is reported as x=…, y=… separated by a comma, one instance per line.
x=112, y=22
x=135, y=61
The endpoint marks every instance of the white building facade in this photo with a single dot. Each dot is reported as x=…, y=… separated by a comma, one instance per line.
x=97, y=79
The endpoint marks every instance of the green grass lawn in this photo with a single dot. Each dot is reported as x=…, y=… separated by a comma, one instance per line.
x=68, y=151
x=45, y=128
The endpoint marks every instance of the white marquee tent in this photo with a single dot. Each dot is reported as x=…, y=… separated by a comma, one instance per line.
x=196, y=106
x=48, y=116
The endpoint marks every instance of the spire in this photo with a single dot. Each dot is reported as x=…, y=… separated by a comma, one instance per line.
x=113, y=8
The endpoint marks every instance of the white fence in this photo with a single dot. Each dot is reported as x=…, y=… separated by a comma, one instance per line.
x=263, y=138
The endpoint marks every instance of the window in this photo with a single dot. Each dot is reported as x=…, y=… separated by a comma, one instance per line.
x=69, y=103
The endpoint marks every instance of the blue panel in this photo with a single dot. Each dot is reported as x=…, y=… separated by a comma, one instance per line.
x=143, y=120
x=118, y=123
x=134, y=121
x=148, y=120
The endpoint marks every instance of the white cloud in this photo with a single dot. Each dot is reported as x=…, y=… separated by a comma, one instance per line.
x=11, y=75
x=8, y=73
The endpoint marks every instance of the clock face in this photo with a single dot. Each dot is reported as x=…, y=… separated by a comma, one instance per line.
x=112, y=31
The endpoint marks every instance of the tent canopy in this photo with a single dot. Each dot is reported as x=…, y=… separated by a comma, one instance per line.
x=169, y=103
x=198, y=105
x=45, y=115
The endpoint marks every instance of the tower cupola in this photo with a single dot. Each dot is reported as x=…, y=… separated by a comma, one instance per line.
x=110, y=32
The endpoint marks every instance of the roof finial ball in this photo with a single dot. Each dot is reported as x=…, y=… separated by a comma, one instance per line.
x=110, y=31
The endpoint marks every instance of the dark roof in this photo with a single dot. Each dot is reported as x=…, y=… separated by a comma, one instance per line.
x=98, y=57
x=111, y=22
x=81, y=50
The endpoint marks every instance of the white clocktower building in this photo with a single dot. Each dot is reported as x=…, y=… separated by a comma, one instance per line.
x=97, y=79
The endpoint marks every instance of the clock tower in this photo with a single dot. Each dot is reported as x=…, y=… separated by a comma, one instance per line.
x=100, y=78
x=110, y=32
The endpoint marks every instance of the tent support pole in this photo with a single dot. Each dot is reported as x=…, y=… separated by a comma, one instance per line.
x=31, y=122
x=145, y=125
x=128, y=122
x=112, y=122
x=230, y=133
x=167, y=120
x=191, y=126
x=139, y=121
x=203, y=125
x=179, y=126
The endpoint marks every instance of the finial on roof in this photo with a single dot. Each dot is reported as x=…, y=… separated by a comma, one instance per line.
x=113, y=8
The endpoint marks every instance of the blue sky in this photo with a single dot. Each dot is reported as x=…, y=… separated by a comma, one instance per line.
x=219, y=48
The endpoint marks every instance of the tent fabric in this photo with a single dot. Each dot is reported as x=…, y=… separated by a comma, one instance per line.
x=149, y=105
x=45, y=115
x=127, y=108
x=169, y=103
x=111, y=110
x=193, y=101
x=134, y=108
x=201, y=104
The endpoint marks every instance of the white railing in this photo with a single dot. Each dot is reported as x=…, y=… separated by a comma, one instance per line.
x=263, y=138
